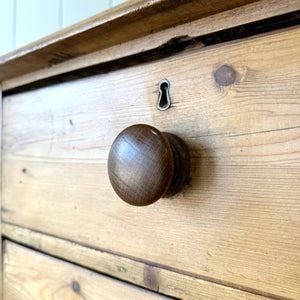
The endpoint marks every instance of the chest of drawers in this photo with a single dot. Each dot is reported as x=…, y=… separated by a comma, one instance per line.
x=233, y=232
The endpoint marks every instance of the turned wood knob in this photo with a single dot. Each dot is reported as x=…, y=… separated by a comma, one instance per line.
x=145, y=164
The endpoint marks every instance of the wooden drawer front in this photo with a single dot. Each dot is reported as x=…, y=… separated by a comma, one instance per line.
x=239, y=219
x=31, y=275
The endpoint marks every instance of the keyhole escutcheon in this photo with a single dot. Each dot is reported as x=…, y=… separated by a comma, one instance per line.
x=164, y=100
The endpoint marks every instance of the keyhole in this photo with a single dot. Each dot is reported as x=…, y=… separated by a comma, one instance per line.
x=164, y=101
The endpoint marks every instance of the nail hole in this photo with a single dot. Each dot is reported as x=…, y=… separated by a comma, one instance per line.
x=122, y=269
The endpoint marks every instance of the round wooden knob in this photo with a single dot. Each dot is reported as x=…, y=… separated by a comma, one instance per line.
x=145, y=164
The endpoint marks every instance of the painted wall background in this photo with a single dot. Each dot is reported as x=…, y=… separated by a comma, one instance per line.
x=25, y=21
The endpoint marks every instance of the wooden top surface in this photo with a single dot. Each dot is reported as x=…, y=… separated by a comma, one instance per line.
x=125, y=22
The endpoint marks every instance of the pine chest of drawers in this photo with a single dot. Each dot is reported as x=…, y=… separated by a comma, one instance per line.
x=233, y=232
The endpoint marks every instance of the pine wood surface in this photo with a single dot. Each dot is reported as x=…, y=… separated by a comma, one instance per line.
x=258, y=10
x=237, y=222
x=31, y=275
x=156, y=279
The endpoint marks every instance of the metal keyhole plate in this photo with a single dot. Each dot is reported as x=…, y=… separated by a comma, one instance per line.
x=164, y=100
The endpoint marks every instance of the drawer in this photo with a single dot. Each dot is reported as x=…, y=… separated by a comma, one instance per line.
x=238, y=220
x=31, y=275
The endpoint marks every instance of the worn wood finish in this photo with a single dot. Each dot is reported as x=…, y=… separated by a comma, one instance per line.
x=145, y=165
x=122, y=23
x=237, y=222
x=140, y=165
x=256, y=11
x=31, y=275
x=157, y=279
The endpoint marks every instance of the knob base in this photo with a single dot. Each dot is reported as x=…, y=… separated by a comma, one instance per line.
x=181, y=164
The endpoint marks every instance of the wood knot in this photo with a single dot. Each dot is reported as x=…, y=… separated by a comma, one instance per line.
x=76, y=286
x=151, y=278
x=225, y=75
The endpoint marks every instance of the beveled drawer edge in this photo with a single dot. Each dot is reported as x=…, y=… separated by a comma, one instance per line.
x=128, y=21
x=246, y=14
x=58, y=279
x=155, y=278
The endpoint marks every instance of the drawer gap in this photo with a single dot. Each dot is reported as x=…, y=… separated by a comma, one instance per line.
x=172, y=47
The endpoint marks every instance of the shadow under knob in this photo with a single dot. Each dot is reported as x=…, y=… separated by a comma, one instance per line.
x=145, y=164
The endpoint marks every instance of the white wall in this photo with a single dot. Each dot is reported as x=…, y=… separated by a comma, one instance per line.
x=25, y=21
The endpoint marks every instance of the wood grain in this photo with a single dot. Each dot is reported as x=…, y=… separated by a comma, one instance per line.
x=157, y=279
x=42, y=277
x=145, y=165
x=237, y=222
x=256, y=11
x=122, y=23
x=140, y=165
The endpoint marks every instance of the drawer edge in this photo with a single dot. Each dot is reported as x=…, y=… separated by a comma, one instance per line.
x=168, y=282
x=257, y=11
